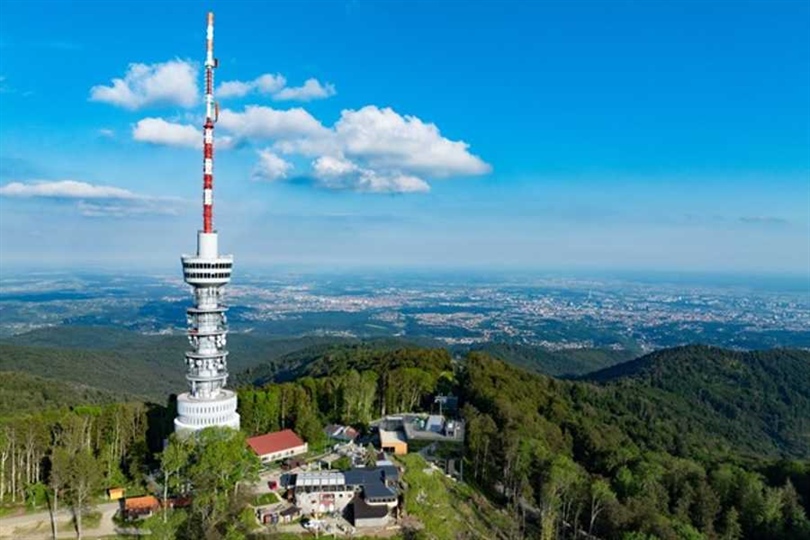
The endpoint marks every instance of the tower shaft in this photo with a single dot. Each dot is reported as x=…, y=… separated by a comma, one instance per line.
x=208, y=402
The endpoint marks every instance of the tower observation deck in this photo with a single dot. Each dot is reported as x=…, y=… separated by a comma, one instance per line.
x=208, y=402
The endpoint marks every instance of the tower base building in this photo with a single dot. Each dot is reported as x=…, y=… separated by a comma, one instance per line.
x=208, y=403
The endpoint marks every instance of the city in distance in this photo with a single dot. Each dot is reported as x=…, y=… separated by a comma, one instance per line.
x=447, y=270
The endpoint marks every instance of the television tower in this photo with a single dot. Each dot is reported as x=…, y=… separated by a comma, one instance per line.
x=207, y=403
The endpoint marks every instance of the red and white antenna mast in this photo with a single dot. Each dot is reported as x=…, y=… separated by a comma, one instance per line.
x=208, y=129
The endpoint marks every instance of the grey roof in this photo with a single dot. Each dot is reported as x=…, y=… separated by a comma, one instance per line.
x=371, y=475
x=377, y=490
x=390, y=472
x=320, y=478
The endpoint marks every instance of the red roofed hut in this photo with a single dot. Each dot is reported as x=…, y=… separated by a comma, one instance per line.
x=141, y=506
x=277, y=445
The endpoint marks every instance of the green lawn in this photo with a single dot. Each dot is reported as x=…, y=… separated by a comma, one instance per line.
x=448, y=509
x=89, y=521
x=266, y=498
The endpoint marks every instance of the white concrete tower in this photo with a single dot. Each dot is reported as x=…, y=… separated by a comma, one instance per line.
x=207, y=403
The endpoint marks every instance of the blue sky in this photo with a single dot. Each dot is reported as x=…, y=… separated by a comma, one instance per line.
x=587, y=135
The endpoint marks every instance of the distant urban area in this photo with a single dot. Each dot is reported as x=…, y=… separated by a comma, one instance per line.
x=550, y=311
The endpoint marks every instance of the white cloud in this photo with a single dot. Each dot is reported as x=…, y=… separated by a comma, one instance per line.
x=264, y=84
x=94, y=200
x=271, y=167
x=170, y=83
x=269, y=84
x=342, y=174
x=143, y=207
x=65, y=189
x=108, y=133
x=159, y=131
x=312, y=89
x=330, y=167
x=383, y=138
x=233, y=89
x=371, y=149
x=268, y=123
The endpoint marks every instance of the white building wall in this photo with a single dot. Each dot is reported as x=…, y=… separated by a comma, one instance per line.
x=284, y=454
x=315, y=502
x=371, y=522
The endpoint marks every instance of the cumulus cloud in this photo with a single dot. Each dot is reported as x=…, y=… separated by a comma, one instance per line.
x=311, y=89
x=342, y=174
x=384, y=138
x=264, y=84
x=267, y=123
x=329, y=167
x=169, y=83
x=371, y=149
x=271, y=167
x=93, y=200
x=160, y=131
x=276, y=86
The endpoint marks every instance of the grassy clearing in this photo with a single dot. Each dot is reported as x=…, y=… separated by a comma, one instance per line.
x=89, y=521
x=448, y=509
x=266, y=498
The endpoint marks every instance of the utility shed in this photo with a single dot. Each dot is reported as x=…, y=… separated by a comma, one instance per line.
x=393, y=442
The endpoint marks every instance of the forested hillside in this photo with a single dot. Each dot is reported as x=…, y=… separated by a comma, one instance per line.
x=331, y=358
x=559, y=450
x=123, y=361
x=695, y=442
x=560, y=363
x=21, y=393
x=758, y=400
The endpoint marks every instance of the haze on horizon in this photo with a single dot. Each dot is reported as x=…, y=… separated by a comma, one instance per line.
x=590, y=135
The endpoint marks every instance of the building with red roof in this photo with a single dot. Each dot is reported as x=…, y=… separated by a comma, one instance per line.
x=277, y=445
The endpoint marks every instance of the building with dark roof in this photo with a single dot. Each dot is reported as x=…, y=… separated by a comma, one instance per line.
x=368, y=515
x=335, y=491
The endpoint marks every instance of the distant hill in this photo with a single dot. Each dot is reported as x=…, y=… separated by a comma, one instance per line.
x=335, y=357
x=22, y=393
x=560, y=363
x=758, y=400
x=147, y=376
x=150, y=366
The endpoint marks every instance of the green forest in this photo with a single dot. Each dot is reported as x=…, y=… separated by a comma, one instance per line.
x=693, y=442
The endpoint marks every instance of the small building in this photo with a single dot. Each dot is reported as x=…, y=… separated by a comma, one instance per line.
x=115, y=493
x=368, y=515
x=277, y=445
x=434, y=423
x=289, y=514
x=393, y=442
x=332, y=491
x=344, y=434
x=135, y=507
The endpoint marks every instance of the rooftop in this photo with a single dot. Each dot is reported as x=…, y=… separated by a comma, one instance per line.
x=320, y=478
x=141, y=503
x=364, y=510
x=275, y=442
x=389, y=436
